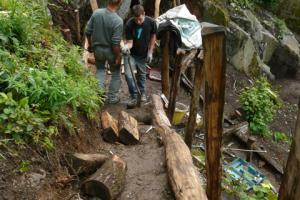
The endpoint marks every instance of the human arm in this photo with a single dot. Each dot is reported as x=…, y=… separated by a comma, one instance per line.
x=88, y=33
x=116, y=39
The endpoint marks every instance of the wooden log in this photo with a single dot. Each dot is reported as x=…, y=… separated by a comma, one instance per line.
x=85, y=163
x=157, y=6
x=183, y=176
x=108, y=181
x=165, y=82
x=110, y=132
x=194, y=105
x=175, y=84
x=128, y=129
x=238, y=129
x=214, y=65
x=290, y=186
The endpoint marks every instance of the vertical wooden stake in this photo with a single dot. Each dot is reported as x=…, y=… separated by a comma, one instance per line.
x=214, y=65
x=78, y=35
x=194, y=106
x=165, y=68
x=157, y=6
x=290, y=186
x=177, y=2
x=174, y=3
x=175, y=85
x=94, y=4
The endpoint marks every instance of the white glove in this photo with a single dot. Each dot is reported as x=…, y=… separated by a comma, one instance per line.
x=125, y=50
x=149, y=57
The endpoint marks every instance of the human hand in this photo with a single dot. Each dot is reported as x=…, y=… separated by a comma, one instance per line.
x=125, y=50
x=149, y=57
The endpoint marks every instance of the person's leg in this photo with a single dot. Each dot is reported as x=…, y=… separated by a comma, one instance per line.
x=128, y=75
x=141, y=74
x=115, y=83
x=100, y=64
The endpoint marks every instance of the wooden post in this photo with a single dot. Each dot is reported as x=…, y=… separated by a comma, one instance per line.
x=94, y=4
x=78, y=35
x=194, y=106
x=175, y=85
x=156, y=11
x=214, y=66
x=177, y=2
x=174, y=3
x=290, y=186
x=165, y=67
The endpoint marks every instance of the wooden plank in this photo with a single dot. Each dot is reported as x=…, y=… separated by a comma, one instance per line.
x=214, y=65
x=165, y=82
x=194, y=105
x=183, y=176
x=290, y=186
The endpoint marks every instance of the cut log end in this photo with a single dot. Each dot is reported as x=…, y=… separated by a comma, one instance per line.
x=128, y=129
x=110, y=128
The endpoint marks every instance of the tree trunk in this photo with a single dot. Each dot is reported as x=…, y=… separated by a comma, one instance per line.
x=183, y=176
x=290, y=186
x=108, y=181
x=128, y=129
x=110, y=131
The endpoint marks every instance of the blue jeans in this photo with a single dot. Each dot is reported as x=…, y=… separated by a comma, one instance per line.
x=140, y=66
x=101, y=56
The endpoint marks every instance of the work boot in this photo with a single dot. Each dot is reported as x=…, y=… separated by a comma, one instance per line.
x=132, y=103
x=143, y=98
x=114, y=100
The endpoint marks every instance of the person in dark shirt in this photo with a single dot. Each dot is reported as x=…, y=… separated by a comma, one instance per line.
x=140, y=37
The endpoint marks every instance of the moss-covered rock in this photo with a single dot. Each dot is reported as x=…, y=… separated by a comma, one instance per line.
x=215, y=14
x=290, y=11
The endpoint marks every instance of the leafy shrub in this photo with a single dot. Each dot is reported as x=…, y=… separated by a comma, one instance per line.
x=41, y=76
x=22, y=123
x=260, y=104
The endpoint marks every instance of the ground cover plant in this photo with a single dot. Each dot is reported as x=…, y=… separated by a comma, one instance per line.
x=41, y=75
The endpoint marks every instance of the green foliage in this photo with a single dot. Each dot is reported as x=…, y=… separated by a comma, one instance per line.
x=250, y=3
x=279, y=136
x=279, y=27
x=41, y=75
x=238, y=188
x=260, y=103
x=24, y=166
x=22, y=123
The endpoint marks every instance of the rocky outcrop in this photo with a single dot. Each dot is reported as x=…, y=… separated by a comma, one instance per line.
x=290, y=11
x=257, y=41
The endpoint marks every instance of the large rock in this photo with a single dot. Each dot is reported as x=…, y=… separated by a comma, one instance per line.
x=214, y=13
x=281, y=53
x=241, y=50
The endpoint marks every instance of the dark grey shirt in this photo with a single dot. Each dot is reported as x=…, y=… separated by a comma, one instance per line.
x=105, y=28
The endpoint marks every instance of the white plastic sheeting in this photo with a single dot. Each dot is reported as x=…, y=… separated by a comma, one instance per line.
x=187, y=24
